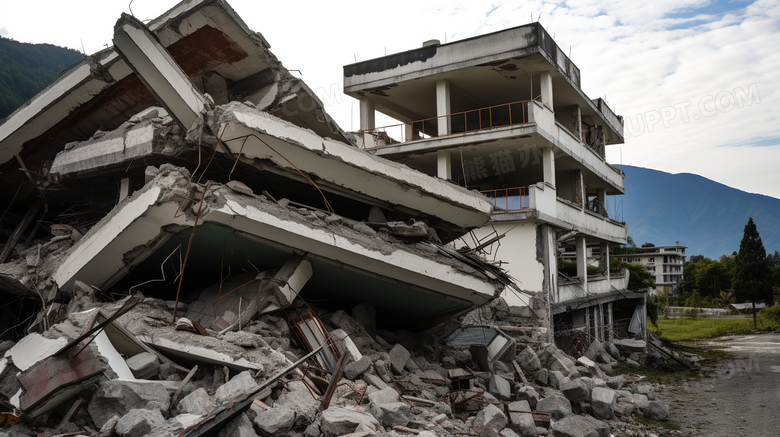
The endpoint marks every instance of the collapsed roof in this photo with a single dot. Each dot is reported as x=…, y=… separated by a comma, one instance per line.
x=131, y=190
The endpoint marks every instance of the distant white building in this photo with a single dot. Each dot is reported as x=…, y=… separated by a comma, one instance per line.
x=665, y=263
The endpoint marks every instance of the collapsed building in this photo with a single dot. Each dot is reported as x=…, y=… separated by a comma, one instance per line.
x=192, y=246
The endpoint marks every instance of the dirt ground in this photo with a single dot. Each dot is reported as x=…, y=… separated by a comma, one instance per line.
x=739, y=397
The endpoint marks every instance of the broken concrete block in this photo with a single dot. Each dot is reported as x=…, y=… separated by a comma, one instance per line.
x=528, y=394
x=555, y=359
x=647, y=390
x=629, y=346
x=398, y=357
x=117, y=397
x=500, y=388
x=356, y=368
x=521, y=422
x=595, y=348
x=656, y=410
x=139, y=422
x=507, y=432
x=542, y=376
x=275, y=421
x=345, y=345
x=528, y=360
x=414, y=229
x=240, y=187
x=336, y=421
x=32, y=349
x=579, y=426
x=374, y=380
x=240, y=385
x=9, y=382
x=298, y=398
x=241, y=426
x=109, y=425
x=391, y=414
x=615, y=382
x=588, y=367
x=612, y=350
x=491, y=417
x=575, y=390
x=556, y=406
x=384, y=396
x=144, y=365
x=555, y=379
x=197, y=402
x=640, y=401
x=602, y=402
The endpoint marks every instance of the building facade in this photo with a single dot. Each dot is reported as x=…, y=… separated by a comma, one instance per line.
x=504, y=114
x=665, y=264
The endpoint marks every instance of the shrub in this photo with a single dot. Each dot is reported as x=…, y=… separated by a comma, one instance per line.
x=769, y=318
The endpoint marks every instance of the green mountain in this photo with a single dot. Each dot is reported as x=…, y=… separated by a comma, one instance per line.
x=26, y=69
x=704, y=215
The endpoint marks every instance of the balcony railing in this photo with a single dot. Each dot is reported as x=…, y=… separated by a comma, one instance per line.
x=457, y=123
x=508, y=198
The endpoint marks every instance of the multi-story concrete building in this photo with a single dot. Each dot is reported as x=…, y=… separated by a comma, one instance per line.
x=504, y=114
x=665, y=264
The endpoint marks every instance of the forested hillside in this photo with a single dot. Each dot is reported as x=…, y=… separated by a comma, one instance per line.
x=706, y=216
x=26, y=69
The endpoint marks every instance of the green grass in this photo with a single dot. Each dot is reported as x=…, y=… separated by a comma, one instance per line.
x=651, y=422
x=690, y=329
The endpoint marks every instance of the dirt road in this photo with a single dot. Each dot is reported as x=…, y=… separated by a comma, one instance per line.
x=739, y=398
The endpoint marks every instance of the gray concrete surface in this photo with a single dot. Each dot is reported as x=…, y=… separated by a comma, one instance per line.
x=740, y=397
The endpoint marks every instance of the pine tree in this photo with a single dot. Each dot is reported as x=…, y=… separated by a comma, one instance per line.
x=752, y=276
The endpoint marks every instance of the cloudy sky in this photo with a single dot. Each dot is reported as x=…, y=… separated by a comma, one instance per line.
x=697, y=81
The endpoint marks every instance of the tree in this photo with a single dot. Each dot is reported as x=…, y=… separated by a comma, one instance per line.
x=752, y=277
x=638, y=277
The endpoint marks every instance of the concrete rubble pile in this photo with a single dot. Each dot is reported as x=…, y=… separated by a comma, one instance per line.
x=195, y=248
x=389, y=383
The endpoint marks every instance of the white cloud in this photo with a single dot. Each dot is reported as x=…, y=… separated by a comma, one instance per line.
x=645, y=57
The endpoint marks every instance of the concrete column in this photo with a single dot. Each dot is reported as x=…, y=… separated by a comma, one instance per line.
x=367, y=114
x=610, y=321
x=582, y=261
x=124, y=189
x=545, y=82
x=587, y=321
x=444, y=164
x=408, y=132
x=548, y=166
x=602, y=196
x=576, y=121
x=443, y=106
x=578, y=187
x=604, y=258
x=599, y=322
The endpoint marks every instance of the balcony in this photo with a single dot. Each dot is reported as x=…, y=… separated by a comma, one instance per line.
x=506, y=114
x=509, y=199
x=573, y=288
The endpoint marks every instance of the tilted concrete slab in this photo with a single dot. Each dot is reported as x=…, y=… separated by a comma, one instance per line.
x=143, y=222
x=158, y=71
x=250, y=132
x=102, y=92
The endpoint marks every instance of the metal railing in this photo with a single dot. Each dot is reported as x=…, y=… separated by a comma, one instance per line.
x=508, y=198
x=473, y=120
x=595, y=206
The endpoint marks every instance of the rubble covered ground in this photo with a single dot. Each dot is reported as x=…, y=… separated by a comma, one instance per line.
x=195, y=248
x=389, y=383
